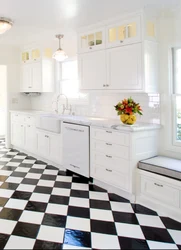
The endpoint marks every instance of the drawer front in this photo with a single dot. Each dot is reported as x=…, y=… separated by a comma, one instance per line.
x=110, y=149
x=111, y=177
x=111, y=162
x=160, y=191
x=111, y=136
x=30, y=120
x=16, y=117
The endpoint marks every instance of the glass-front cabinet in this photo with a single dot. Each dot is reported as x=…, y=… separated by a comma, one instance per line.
x=91, y=41
x=123, y=32
x=25, y=56
x=35, y=54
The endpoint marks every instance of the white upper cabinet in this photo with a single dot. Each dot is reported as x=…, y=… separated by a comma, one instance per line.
x=123, y=32
x=92, y=40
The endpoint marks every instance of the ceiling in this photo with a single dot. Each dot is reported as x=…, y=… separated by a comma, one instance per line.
x=35, y=19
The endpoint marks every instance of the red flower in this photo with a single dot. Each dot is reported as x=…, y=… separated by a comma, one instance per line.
x=129, y=111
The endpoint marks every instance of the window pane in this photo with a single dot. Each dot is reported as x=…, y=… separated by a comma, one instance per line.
x=69, y=70
x=70, y=88
x=178, y=118
x=177, y=71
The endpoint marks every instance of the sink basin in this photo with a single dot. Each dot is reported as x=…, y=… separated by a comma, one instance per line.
x=96, y=118
x=50, y=123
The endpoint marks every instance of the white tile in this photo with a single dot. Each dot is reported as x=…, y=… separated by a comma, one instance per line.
x=16, y=203
x=20, y=157
x=150, y=220
x=16, y=242
x=46, y=183
x=64, y=178
x=79, y=202
x=104, y=241
x=80, y=186
x=54, y=234
x=13, y=164
x=5, y=159
x=40, y=197
x=66, y=246
x=13, y=179
x=121, y=207
x=12, y=153
x=39, y=166
x=61, y=191
x=5, y=172
x=50, y=172
x=1, y=183
x=98, y=196
x=101, y=214
x=26, y=188
x=56, y=209
x=21, y=169
x=5, y=193
x=33, y=176
x=129, y=230
x=31, y=217
x=176, y=235
x=160, y=245
x=78, y=223
x=7, y=226
x=29, y=161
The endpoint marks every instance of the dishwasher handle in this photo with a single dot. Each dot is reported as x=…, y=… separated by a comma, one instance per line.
x=74, y=129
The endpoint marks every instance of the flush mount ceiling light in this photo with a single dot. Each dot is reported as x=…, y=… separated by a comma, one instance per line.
x=59, y=55
x=5, y=24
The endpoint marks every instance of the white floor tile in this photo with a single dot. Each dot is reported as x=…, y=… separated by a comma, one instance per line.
x=16, y=242
x=39, y=166
x=46, y=183
x=129, y=230
x=150, y=220
x=61, y=191
x=13, y=164
x=78, y=223
x=29, y=161
x=80, y=186
x=50, y=172
x=13, y=179
x=31, y=217
x=64, y=178
x=12, y=153
x=17, y=204
x=33, y=176
x=160, y=245
x=53, y=234
x=40, y=197
x=100, y=214
x=79, y=202
x=56, y=209
x=98, y=196
x=65, y=246
x=21, y=169
x=26, y=188
x=20, y=157
x=5, y=172
x=176, y=235
x=121, y=207
x=7, y=226
x=5, y=159
x=5, y=193
x=104, y=241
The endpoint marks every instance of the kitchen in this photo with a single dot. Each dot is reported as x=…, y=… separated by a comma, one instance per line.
x=73, y=175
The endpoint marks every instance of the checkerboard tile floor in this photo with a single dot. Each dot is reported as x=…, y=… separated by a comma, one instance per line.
x=43, y=208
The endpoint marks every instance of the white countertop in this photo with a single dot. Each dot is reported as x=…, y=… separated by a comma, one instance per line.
x=94, y=121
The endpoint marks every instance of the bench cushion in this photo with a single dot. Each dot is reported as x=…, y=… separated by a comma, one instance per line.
x=162, y=165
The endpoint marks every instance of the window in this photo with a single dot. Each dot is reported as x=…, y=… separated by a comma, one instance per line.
x=176, y=91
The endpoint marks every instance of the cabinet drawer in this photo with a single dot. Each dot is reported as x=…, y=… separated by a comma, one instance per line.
x=16, y=117
x=109, y=148
x=159, y=190
x=30, y=120
x=111, y=136
x=111, y=177
x=112, y=162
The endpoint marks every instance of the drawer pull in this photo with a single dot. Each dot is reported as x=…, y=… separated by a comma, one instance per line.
x=74, y=166
x=158, y=185
x=108, y=144
x=108, y=170
x=108, y=156
x=46, y=136
x=109, y=132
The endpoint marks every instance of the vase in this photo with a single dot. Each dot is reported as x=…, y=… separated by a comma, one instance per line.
x=128, y=119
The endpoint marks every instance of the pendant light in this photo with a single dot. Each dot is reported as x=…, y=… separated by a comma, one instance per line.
x=5, y=24
x=59, y=55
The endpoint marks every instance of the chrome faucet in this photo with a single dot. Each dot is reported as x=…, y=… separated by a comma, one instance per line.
x=66, y=106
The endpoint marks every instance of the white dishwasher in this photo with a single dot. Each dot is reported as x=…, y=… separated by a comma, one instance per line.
x=76, y=149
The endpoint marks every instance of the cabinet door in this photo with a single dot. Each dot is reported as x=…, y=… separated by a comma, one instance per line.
x=36, y=76
x=124, y=67
x=26, y=83
x=25, y=56
x=31, y=138
x=92, y=70
x=43, y=144
x=56, y=148
x=17, y=134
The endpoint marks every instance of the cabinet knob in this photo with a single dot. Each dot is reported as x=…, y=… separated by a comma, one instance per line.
x=108, y=144
x=107, y=85
x=109, y=132
x=90, y=47
x=108, y=170
x=121, y=41
x=108, y=156
x=104, y=85
x=158, y=185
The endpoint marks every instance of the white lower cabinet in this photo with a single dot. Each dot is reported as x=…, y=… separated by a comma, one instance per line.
x=31, y=138
x=17, y=134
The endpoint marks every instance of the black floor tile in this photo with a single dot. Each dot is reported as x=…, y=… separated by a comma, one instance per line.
x=9, y=168
x=125, y=217
x=48, y=177
x=10, y=214
x=29, y=181
x=171, y=224
x=3, y=240
x=51, y=167
x=59, y=199
x=79, y=193
x=25, y=165
x=77, y=238
x=115, y=197
x=59, y=184
x=156, y=234
x=36, y=206
x=47, y=245
x=3, y=178
x=80, y=180
x=139, y=209
x=129, y=243
x=18, y=174
x=100, y=204
x=40, y=162
x=95, y=188
x=54, y=220
x=3, y=201
x=21, y=195
x=26, y=230
x=103, y=227
x=43, y=190
x=9, y=186
x=80, y=212
x=36, y=171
